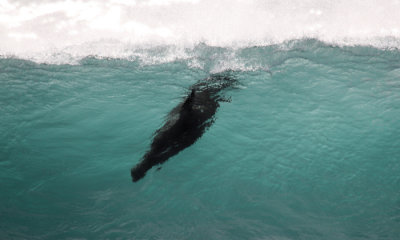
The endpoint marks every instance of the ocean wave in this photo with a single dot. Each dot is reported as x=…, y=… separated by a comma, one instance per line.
x=211, y=59
x=113, y=28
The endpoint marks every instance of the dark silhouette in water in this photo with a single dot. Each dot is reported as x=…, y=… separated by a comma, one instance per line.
x=186, y=122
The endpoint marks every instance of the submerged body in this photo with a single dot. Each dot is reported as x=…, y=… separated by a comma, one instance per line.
x=185, y=123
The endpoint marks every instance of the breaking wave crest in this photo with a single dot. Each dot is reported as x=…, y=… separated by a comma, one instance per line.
x=67, y=31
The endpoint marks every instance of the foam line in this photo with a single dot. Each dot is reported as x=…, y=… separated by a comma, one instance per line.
x=48, y=27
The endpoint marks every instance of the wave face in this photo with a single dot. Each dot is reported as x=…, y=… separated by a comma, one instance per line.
x=29, y=28
x=308, y=148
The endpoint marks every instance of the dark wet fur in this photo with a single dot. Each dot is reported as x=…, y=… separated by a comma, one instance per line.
x=186, y=123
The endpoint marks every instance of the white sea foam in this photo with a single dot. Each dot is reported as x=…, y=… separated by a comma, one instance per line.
x=40, y=30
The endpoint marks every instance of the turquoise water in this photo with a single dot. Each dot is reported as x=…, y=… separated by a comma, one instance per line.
x=308, y=148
